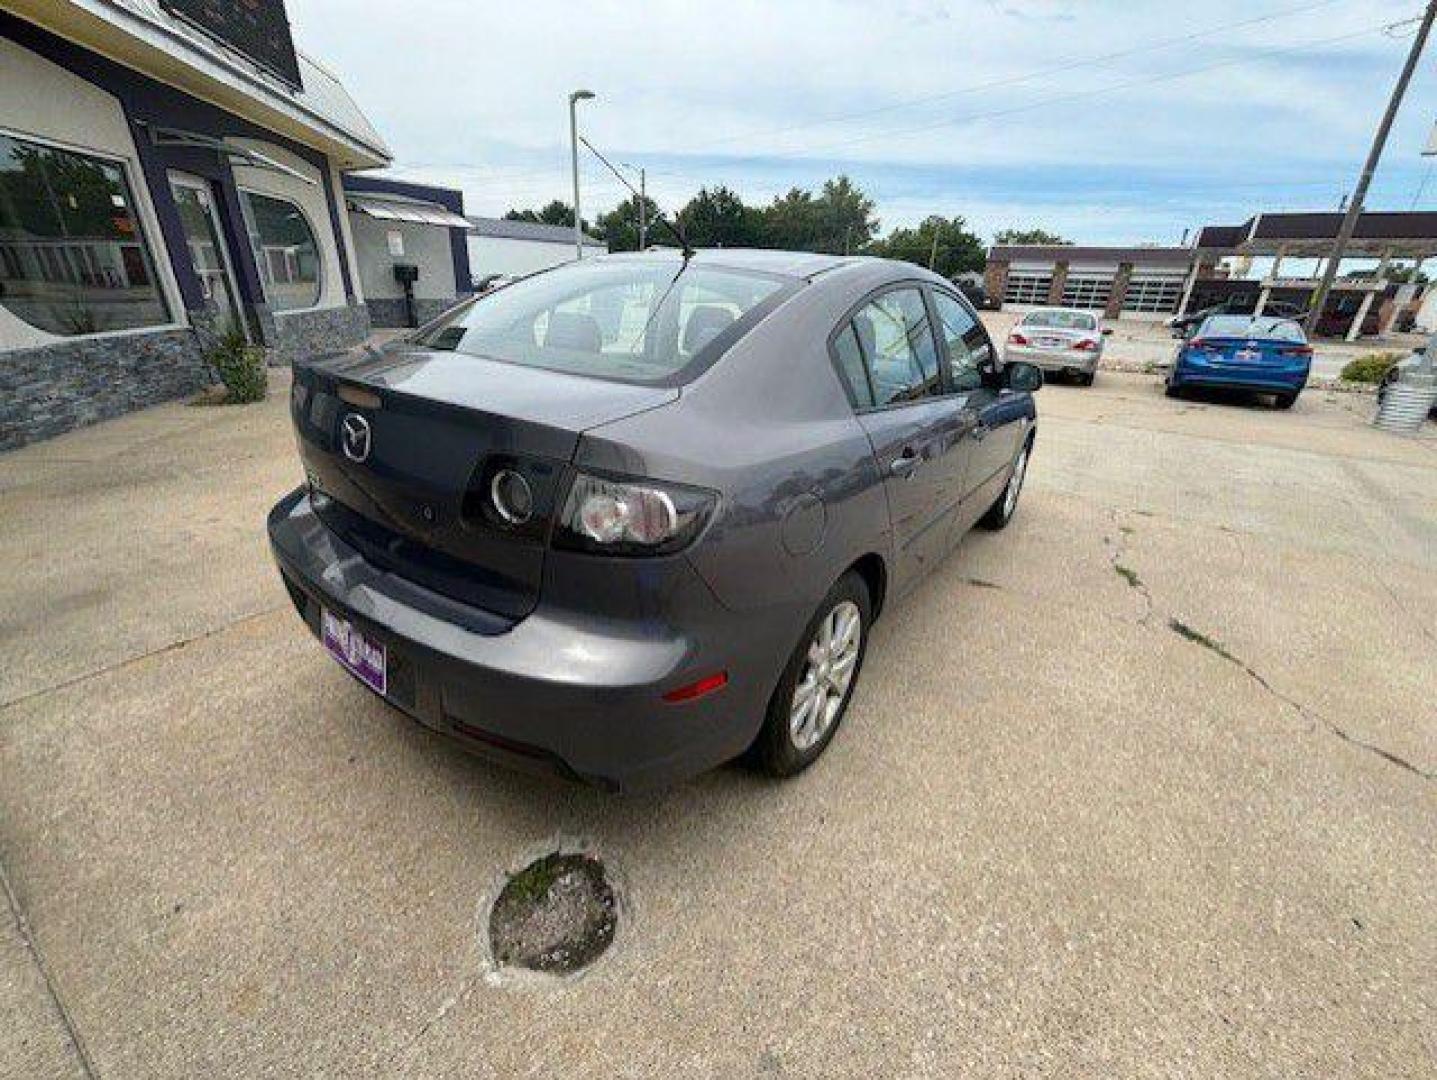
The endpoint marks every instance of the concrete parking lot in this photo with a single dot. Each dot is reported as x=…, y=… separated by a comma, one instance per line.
x=1143, y=786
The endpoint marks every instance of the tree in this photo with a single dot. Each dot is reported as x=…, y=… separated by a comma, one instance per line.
x=1030, y=236
x=619, y=228
x=718, y=218
x=792, y=221
x=556, y=212
x=844, y=217
x=946, y=241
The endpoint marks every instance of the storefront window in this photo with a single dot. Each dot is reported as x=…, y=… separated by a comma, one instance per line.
x=285, y=249
x=72, y=257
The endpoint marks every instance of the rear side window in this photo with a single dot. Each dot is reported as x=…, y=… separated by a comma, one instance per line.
x=1245, y=326
x=899, y=351
x=1065, y=320
x=852, y=368
x=968, y=347
x=642, y=321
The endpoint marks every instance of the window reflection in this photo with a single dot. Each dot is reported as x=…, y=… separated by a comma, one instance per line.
x=72, y=257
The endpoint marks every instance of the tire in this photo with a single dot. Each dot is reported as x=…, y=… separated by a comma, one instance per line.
x=1172, y=390
x=1003, y=508
x=789, y=742
x=1285, y=401
x=1085, y=378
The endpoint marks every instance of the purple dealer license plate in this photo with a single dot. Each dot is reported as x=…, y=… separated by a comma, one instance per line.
x=364, y=658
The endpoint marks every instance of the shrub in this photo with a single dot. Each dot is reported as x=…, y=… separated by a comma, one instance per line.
x=1370, y=368
x=241, y=368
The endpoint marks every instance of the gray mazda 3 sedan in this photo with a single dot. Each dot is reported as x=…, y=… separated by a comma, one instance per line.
x=634, y=516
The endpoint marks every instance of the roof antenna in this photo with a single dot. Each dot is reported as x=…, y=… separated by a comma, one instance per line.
x=663, y=219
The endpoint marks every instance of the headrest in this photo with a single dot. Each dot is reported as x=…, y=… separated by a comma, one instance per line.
x=574, y=331
x=705, y=323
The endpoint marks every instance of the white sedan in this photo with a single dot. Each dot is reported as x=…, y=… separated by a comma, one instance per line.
x=1058, y=340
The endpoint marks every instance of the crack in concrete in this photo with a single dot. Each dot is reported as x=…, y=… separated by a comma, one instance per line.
x=447, y=1006
x=1421, y=626
x=33, y=947
x=1117, y=552
x=118, y=665
x=1312, y=716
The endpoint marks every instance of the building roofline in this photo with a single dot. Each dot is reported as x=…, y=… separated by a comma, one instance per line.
x=208, y=70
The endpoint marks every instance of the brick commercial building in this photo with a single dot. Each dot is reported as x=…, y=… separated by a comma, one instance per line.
x=1118, y=281
x=1241, y=266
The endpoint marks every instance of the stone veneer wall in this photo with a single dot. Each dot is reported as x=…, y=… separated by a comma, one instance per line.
x=391, y=312
x=299, y=335
x=55, y=388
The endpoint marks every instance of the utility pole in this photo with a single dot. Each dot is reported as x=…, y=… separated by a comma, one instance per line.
x=1359, y=194
x=574, y=99
x=933, y=254
x=643, y=212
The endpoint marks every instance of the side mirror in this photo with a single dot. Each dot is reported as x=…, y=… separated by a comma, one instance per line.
x=1024, y=377
x=1107, y=331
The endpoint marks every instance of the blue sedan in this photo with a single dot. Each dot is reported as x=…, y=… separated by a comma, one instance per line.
x=1242, y=352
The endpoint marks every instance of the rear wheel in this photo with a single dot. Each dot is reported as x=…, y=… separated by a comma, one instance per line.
x=813, y=694
x=1285, y=401
x=1001, y=512
x=1172, y=390
x=1085, y=378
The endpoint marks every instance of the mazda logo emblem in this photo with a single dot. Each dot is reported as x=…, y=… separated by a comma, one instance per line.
x=354, y=437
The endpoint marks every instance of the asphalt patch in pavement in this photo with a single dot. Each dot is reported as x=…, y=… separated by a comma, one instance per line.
x=557, y=915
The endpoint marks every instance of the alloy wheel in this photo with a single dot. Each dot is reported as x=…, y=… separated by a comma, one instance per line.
x=1015, y=484
x=828, y=671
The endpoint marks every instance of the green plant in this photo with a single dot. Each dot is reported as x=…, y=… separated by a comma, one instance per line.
x=240, y=366
x=1371, y=367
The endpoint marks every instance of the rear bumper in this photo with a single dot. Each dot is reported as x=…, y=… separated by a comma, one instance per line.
x=1264, y=379
x=1053, y=359
x=557, y=691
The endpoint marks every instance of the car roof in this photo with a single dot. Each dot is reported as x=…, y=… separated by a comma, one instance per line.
x=795, y=264
x=1066, y=310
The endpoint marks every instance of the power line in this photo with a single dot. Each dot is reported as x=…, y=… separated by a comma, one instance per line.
x=1081, y=95
x=1039, y=73
x=1045, y=72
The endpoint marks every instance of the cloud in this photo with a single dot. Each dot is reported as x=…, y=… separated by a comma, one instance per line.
x=1120, y=120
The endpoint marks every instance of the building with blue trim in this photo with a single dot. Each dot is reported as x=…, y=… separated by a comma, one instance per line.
x=168, y=169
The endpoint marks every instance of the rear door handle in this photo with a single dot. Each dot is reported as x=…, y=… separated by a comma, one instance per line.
x=905, y=463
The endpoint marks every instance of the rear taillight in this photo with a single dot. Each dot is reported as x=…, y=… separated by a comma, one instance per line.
x=1087, y=345
x=1199, y=345
x=1016, y=338
x=1304, y=351
x=631, y=517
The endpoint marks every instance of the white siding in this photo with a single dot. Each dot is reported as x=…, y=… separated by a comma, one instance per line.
x=425, y=246
x=502, y=255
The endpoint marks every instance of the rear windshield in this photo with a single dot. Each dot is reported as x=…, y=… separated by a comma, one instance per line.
x=1245, y=326
x=625, y=320
x=1065, y=320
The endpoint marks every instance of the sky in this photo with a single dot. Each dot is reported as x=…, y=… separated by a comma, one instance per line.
x=1107, y=121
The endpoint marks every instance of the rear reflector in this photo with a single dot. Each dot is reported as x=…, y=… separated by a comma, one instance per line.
x=707, y=685
x=1016, y=338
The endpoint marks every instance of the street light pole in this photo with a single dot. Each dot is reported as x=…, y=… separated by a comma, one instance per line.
x=1359, y=195
x=643, y=212
x=574, y=99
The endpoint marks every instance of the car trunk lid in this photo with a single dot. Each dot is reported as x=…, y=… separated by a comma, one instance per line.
x=403, y=444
